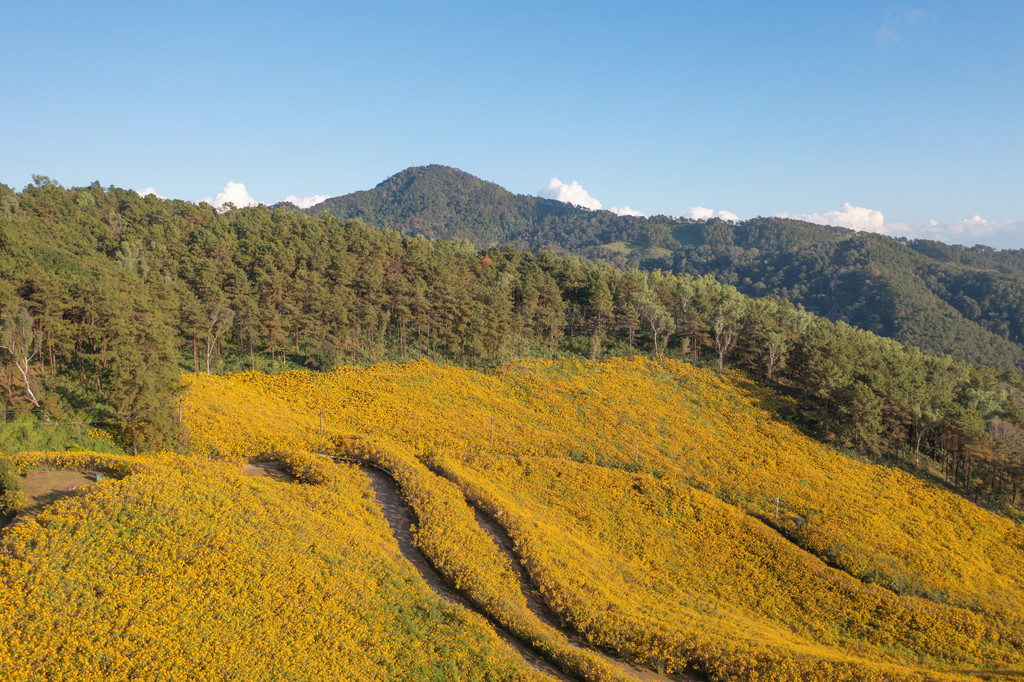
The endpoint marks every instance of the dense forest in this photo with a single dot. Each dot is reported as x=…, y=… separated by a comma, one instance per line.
x=967, y=302
x=107, y=296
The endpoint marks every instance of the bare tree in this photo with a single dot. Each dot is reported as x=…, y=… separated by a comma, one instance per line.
x=20, y=339
x=1009, y=439
x=777, y=347
x=728, y=324
x=220, y=321
x=658, y=318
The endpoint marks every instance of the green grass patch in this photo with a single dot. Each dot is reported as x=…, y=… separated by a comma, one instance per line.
x=31, y=434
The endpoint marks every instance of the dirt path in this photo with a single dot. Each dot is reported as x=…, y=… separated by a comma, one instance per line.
x=400, y=519
x=540, y=609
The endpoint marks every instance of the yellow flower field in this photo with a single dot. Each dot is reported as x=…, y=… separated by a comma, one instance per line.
x=186, y=570
x=643, y=495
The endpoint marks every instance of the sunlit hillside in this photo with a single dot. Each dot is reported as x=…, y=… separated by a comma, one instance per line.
x=643, y=499
x=664, y=511
x=181, y=569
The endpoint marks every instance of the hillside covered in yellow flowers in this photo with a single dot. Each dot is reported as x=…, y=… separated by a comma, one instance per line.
x=664, y=512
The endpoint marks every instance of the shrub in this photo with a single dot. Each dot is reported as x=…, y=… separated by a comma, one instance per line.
x=12, y=499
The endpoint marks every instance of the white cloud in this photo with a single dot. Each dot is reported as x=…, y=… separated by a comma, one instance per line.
x=701, y=213
x=1006, y=234
x=892, y=31
x=306, y=202
x=146, y=191
x=886, y=34
x=975, y=229
x=626, y=210
x=572, y=193
x=975, y=225
x=233, y=193
x=856, y=217
x=914, y=15
x=698, y=213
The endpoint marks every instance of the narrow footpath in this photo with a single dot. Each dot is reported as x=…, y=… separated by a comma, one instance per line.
x=540, y=609
x=400, y=518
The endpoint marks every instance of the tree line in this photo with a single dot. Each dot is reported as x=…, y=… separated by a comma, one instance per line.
x=968, y=302
x=106, y=296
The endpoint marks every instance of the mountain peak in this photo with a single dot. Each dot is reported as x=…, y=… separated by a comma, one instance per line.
x=441, y=201
x=444, y=180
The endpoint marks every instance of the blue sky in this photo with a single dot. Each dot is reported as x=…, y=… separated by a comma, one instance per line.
x=900, y=118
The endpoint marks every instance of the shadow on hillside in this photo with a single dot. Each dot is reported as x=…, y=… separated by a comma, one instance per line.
x=783, y=403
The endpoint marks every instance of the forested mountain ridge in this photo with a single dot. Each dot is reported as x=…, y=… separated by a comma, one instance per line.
x=105, y=296
x=445, y=203
x=876, y=283
x=968, y=302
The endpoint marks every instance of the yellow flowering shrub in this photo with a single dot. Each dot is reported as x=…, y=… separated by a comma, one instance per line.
x=185, y=569
x=643, y=498
x=450, y=536
x=674, y=576
x=115, y=465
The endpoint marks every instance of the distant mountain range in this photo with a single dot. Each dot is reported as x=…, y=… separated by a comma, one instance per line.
x=967, y=302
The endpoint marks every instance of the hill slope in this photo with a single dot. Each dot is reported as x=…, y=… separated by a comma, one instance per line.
x=945, y=299
x=642, y=497
x=178, y=568
x=88, y=274
x=662, y=510
x=445, y=203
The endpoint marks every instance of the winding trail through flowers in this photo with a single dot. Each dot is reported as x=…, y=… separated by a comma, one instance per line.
x=400, y=518
x=540, y=609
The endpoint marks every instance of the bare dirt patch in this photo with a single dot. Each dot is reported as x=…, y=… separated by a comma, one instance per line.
x=45, y=487
x=272, y=470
